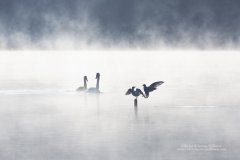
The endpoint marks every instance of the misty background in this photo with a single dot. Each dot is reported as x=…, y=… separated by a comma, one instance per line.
x=43, y=117
x=191, y=77
x=115, y=24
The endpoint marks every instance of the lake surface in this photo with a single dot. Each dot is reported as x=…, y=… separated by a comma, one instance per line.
x=193, y=115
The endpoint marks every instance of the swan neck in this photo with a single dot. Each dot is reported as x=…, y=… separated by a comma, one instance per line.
x=97, y=85
x=85, y=83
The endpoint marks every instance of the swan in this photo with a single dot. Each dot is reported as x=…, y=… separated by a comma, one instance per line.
x=93, y=89
x=134, y=92
x=151, y=88
x=84, y=88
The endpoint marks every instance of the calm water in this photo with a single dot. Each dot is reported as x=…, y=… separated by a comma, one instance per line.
x=78, y=126
x=194, y=115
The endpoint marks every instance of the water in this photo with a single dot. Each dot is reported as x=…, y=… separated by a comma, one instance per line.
x=194, y=115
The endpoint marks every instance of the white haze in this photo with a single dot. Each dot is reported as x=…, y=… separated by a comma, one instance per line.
x=206, y=76
x=42, y=117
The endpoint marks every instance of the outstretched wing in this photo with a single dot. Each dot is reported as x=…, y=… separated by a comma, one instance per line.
x=139, y=90
x=129, y=91
x=156, y=84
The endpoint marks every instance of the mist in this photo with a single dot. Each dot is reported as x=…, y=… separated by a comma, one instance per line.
x=211, y=75
x=193, y=115
x=126, y=24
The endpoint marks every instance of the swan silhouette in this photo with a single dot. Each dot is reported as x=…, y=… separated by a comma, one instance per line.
x=84, y=88
x=134, y=92
x=151, y=88
x=93, y=89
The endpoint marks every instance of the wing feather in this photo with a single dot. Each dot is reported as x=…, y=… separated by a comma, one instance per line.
x=140, y=91
x=156, y=84
x=129, y=91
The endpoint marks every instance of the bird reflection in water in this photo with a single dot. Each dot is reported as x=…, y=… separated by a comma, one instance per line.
x=136, y=111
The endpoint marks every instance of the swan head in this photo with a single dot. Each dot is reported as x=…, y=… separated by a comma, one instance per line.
x=85, y=78
x=97, y=75
x=133, y=87
x=144, y=85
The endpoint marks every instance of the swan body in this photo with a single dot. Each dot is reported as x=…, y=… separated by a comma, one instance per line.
x=152, y=87
x=83, y=88
x=93, y=90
